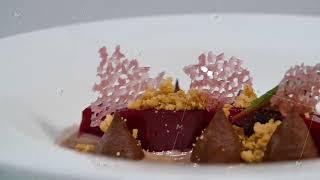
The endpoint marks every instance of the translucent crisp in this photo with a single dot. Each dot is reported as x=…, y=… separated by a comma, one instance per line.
x=220, y=79
x=299, y=90
x=121, y=81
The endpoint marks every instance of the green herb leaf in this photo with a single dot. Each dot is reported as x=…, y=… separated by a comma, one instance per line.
x=262, y=100
x=257, y=103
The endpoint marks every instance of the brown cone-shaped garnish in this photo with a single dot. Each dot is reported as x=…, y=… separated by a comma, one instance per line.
x=218, y=143
x=291, y=141
x=119, y=142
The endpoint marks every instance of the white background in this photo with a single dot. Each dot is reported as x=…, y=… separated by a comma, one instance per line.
x=17, y=16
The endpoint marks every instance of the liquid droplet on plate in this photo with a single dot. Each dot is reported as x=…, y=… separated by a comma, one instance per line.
x=60, y=91
x=195, y=165
x=16, y=14
x=298, y=163
x=214, y=17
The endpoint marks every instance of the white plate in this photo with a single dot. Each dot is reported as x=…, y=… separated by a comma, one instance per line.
x=46, y=79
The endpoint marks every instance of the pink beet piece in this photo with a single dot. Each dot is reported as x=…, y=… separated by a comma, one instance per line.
x=159, y=130
x=314, y=126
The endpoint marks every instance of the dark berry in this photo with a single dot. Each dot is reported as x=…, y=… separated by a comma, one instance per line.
x=261, y=115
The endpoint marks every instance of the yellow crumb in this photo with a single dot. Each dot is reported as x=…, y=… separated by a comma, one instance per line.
x=242, y=101
x=104, y=125
x=226, y=109
x=139, y=143
x=307, y=115
x=245, y=98
x=255, y=145
x=165, y=98
x=135, y=133
x=86, y=148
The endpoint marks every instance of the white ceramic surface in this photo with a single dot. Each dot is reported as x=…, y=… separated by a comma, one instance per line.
x=46, y=79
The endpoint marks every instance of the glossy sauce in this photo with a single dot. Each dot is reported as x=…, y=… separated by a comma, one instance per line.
x=70, y=138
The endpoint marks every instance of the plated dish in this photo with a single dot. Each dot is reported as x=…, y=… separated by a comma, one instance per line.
x=47, y=85
x=219, y=119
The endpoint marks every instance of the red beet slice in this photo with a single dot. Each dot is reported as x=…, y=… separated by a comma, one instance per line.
x=218, y=143
x=233, y=112
x=159, y=130
x=119, y=142
x=314, y=128
x=85, y=124
x=290, y=141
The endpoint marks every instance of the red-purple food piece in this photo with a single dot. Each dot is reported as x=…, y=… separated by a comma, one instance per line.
x=85, y=124
x=159, y=130
x=234, y=111
x=313, y=124
x=291, y=141
x=218, y=143
x=119, y=142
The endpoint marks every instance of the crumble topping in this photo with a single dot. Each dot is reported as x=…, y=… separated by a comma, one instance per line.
x=255, y=145
x=85, y=148
x=245, y=97
x=135, y=133
x=243, y=100
x=166, y=98
x=104, y=125
x=226, y=109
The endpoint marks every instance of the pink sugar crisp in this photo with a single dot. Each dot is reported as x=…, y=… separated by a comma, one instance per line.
x=219, y=79
x=299, y=90
x=121, y=81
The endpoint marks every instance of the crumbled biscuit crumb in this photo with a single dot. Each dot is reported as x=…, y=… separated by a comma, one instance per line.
x=104, y=125
x=307, y=115
x=139, y=143
x=166, y=98
x=245, y=97
x=243, y=100
x=255, y=145
x=86, y=148
x=135, y=133
x=201, y=137
x=226, y=109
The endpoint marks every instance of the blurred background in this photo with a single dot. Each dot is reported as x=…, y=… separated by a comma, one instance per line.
x=19, y=16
